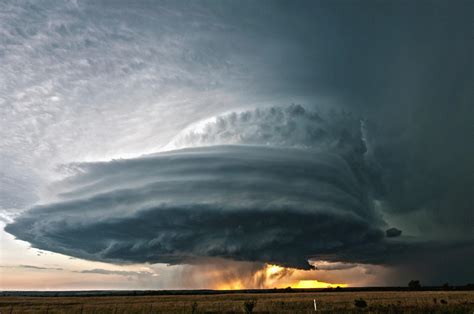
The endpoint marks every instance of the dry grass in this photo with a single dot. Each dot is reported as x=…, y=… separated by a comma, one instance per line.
x=328, y=302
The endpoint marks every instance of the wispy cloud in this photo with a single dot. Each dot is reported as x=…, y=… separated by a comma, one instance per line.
x=33, y=267
x=117, y=272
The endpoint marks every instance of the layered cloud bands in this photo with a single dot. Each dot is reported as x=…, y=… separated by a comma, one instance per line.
x=282, y=202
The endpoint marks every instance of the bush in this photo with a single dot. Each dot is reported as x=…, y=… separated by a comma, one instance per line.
x=361, y=303
x=248, y=306
x=194, y=308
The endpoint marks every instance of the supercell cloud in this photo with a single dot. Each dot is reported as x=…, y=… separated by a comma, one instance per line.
x=172, y=121
x=292, y=186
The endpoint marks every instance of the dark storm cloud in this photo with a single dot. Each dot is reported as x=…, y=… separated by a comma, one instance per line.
x=303, y=190
x=404, y=67
x=445, y=262
x=393, y=232
x=333, y=266
x=276, y=205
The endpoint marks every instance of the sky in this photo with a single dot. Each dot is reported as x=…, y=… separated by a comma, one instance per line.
x=235, y=144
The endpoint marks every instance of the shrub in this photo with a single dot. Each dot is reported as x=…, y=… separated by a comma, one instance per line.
x=248, y=306
x=361, y=303
x=194, y=308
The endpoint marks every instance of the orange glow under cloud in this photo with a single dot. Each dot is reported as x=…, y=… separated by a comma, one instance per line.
x=272, y=276
x=305, y=284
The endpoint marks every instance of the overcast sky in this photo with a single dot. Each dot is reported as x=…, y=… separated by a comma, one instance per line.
x=232, y=134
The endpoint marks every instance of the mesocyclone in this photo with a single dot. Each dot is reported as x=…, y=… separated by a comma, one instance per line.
x=274, y=185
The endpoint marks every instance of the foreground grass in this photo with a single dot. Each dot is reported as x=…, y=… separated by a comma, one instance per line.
x=327, y=302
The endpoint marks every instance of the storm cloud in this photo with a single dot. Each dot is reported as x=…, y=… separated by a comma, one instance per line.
x=280, y=203
x=382, y=140
x=246, y=203
x=295, y=185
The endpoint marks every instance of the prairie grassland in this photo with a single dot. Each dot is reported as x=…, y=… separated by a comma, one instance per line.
x=327, y=302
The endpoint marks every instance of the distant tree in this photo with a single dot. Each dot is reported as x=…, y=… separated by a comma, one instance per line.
x=361, y=303
x=446, y=286
x=414, y=284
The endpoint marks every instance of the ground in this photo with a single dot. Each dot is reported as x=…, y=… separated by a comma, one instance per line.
x=289, y=302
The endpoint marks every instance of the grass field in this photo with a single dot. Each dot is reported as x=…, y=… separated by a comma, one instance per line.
x=327, y=302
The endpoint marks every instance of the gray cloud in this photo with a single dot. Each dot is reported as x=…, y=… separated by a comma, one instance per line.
x=241, y=202
x=116, y=272
x=272, y=201
x=295, y=186
x=39, y=267
x=94, y=80
x=333, y=266
x=393, y=232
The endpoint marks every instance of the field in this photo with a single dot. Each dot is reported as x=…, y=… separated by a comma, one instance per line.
x=290, y=302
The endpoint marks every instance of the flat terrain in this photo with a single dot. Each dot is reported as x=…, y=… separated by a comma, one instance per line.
x=290, y=302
